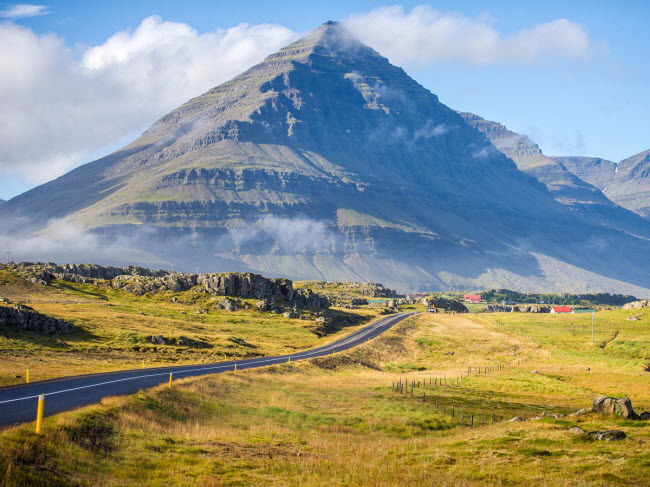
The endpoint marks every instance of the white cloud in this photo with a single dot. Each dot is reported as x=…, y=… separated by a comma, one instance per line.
x=425, y=35
x=24, y=10
x=60, y=107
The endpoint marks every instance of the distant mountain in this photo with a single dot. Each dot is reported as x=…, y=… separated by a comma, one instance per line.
x=593, y=170
x=569, y=185
x=327, y=162
x=631, y=185
x=2, y=201
x=626, y=183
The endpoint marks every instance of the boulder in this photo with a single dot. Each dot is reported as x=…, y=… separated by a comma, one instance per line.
x=363, y=302
x=581, y=412
x=608, y=435
x=614, y=406
x=516, y=419
x=644, y=416
x=576, y=431
x=633, y=318
x=156, y=339
x=644, y=303
x=290, y=314
x=263, y=305
x=226, y=304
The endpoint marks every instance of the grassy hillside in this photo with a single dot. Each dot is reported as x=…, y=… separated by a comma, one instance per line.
x=337, y=421
x=115, y=329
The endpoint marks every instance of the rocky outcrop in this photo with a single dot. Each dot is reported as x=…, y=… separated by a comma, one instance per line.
x=181, y=341
x=139, y=285
x=443, y=303
x=534, y=309
x=608, y=435
x=81, y=273
x=140, y=280
x=25, y=318
x=644, y=303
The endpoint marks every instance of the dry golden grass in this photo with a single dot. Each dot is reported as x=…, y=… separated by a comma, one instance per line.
x=114, y=326
x=336, y=421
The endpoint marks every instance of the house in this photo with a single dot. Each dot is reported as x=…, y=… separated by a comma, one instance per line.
x=473, y=298
x=561, y=309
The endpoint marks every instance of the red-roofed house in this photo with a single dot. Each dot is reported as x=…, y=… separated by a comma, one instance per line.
x=561, y=309
x=473, y=298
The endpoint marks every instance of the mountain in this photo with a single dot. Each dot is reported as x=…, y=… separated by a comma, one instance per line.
x=568, y=186
x=593, y=170
x=327, y=162
x=626, y=183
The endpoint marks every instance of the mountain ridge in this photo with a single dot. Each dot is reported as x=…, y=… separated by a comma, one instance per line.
x=627, y=182
x=327, y=162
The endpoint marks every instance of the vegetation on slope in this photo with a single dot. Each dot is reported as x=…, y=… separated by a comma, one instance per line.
x=119, y=330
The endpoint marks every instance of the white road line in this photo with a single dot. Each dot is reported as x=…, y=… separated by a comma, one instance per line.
x=217, y=367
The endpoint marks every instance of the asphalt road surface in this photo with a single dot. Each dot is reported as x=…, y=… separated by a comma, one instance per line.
x=18, y=403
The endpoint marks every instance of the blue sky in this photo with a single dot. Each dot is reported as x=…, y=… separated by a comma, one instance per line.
x=587, y=95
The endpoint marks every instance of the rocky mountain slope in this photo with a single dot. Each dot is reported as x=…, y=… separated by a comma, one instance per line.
x=631, y=185
x=571, y=187
x=626, y=183
x=327, y=162
x=593, y=170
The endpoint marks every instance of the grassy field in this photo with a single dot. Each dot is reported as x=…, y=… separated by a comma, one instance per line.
x=338, y=421
x=115, y=327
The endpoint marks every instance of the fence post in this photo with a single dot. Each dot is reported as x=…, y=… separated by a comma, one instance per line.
x=289, y=360
x=437, y=404
x=143, y=364
x=235, y=369
x=170, y=381
x=472, y=421
x=27, y=377
x=39, y=413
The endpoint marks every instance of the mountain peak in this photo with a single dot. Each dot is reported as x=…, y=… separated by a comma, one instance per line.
x=330, y=38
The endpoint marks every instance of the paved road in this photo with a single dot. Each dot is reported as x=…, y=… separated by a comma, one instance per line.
x=18, y=403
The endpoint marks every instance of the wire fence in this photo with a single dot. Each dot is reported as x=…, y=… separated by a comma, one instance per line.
x=427, y=389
